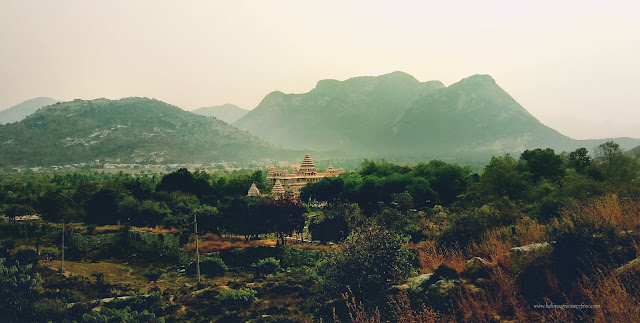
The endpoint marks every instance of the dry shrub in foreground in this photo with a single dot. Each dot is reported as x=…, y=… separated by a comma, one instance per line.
x=501, y=301
x=401, y=309
x=431, y=256
x=494, y=247
x=617, y=295
x=624, y=213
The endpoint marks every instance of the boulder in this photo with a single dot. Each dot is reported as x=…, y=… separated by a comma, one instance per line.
x=445, y=288
x=522, y=257
x=477, y=267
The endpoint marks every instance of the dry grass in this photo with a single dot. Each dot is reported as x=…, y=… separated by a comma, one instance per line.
x=431, y=256
x=618, y=296
x=108, y=229
x=403, y=312
x=157, y=229
x=624, y=214
x=502, y=301
x=493, y=247
x=215, y=243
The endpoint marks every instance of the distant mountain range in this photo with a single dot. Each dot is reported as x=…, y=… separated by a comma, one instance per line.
x=228, y=113
x=131, y=130
x=22, y=110
x=389, y=116
x=395, y=114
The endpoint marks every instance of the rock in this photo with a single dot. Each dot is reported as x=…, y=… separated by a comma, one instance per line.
x=477, y=267
x=397, y=289
x=523, y=256
x=445, y=288
x=417, y=284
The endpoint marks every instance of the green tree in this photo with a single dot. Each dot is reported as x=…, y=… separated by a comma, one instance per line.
x=579, y=160
x=371, y=260
x=616, y=166
x=542, y=163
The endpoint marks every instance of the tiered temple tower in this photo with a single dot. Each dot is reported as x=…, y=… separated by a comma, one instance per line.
x=253, y=190
x=301, y=176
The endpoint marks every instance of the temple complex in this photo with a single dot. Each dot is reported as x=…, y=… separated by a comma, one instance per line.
x=283, y=181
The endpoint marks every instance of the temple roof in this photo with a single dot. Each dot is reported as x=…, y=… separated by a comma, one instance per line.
x=253, y=190
x=277, y=188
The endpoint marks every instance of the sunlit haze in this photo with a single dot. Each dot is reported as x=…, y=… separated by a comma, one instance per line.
x=572, y=64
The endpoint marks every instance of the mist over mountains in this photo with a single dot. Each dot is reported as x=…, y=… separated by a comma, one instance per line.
x=388, y=116
x=22, y=110
x=395, y=114
x=228, y=113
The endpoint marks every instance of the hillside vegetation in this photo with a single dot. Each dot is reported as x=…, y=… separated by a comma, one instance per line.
x=131, y=130
x=431, y=242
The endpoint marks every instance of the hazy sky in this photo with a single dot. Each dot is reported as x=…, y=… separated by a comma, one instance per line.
x=575, y=65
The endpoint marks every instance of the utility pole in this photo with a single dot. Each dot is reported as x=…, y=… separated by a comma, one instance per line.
x=62, y=261
x=195, y=223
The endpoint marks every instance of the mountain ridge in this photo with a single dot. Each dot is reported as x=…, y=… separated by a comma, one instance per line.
x=130, y=130
x=227, y=112
x=24, y=109
x=395, y=113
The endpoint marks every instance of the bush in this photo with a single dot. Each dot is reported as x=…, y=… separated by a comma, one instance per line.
x=152, y=275
x=266, y=266
x=26, y=256
x=99, y=277
x=213, y=266
x=243, y=296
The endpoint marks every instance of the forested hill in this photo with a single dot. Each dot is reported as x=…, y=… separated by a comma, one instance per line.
x=131, y=130
x=395, y=114
x=22, y=110
x=228, y=113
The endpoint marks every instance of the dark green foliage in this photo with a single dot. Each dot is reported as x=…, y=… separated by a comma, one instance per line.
x=542, y=164
x=267, y=266
x=238, y=297
x=615, y=166
x=579, y=159
x=213, y=266
x=370, y=261
x=26, y=256
x=56, y=206
x=99, y=278
x=281, y=216
x=6, y=245
x=152, y=275
x=17, y=283
x=124, y=315
x=334, y=228
x=102, y=208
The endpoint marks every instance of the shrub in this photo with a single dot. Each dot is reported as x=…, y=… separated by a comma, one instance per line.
x=152, y=275
x=243, y=296
x=213, y=266
x=99, y=278
x=26, y=256
x=266, y=266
